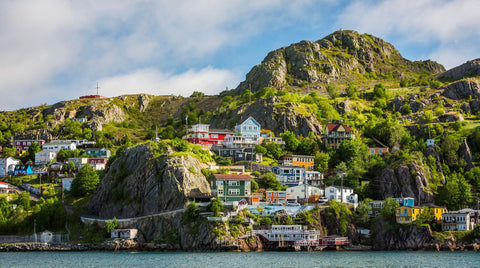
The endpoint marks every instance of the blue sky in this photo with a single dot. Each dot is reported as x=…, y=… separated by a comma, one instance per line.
x=53, y=50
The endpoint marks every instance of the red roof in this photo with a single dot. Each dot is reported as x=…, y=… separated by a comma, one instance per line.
x=1, y=182
x=333, y=127
x=232, y=177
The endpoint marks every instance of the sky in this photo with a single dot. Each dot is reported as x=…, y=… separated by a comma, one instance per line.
x=54, y=50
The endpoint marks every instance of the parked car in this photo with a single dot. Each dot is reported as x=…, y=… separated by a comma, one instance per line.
x=292, y=204
x=275, y=204
x=322, y=199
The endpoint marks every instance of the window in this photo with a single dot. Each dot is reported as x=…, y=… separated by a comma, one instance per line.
x=234, y=191
x=233, y=183
x=286, y=171
x=247, y=192
x=247, y=183
x=220, y=191
x=219, y=182
x=214, y=136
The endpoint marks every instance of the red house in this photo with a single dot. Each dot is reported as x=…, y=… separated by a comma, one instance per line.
x=202, y=134
x=94, y=161
x=22, y=145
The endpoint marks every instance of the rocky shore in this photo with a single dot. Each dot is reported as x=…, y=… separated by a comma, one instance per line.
x=132, y=245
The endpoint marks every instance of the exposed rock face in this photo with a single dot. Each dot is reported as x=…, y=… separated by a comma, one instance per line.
x=405, y=181
x=273, y=115
x=101, y=114
x=465, y=152
x=433, y=151
x=338, y=56
x=143, y=101
x=35, y=134
x=177, y=235
x=462, y=89
x=450, y=117
x=470, y=68
x=137, y=184
x=402, y=237
x=344, y=106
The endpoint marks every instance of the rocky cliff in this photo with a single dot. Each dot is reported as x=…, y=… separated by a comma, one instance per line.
x=139, y=184
x=342, y=56
x=464, y=89
x=402, y=237
x=406, y=180
x=272, y=114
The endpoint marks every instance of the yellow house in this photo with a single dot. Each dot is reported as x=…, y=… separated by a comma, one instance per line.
x=407, y=214
x=410, y=214
x=438, y=212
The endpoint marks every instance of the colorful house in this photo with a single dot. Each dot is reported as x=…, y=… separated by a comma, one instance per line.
x=302, y=192
x=438, y=213
x=405, y=201
x=406, y=214
x=378, y=150
x=335, y=134
x=305, y=161
x=202, y=134
x=231, y=187
x=55, y=169
x=22, y=145
x=289, y=175
x=279, y=197
x=97, y=152
x=22, y=170
x=249, y=128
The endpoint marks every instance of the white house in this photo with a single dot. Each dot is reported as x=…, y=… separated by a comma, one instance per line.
x=304, y=192
x=57, y=146
x=123, y=233
x=249, y=128
x=44, y=157
x=456, y=221
x=7, y=164
x=335, y=193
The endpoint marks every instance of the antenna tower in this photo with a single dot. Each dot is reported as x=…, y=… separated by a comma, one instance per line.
x=97, y=88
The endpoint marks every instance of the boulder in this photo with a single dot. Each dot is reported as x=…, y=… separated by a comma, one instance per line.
x=344, y=106
x=468, y=88
x=466, y=108
x=450, y=117
x=466, y=154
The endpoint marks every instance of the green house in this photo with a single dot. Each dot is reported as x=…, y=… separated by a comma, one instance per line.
x=231, y=187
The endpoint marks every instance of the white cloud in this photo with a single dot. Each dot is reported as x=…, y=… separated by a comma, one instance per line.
x=444, y=23
x=151, y=81
x=59, y=46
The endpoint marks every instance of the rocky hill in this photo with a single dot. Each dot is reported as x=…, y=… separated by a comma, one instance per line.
x=340, y=57
x=470, y=68
x=139, y=183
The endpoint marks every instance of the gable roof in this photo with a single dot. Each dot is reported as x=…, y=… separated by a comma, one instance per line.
x=253, y=119
x=232, y=177
x=334, y=127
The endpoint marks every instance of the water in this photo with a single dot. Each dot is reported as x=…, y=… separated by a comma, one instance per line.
x=236, y=259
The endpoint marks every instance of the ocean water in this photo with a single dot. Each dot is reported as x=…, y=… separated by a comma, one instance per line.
x=240, y=259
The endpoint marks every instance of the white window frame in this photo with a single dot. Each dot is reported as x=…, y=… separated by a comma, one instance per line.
x=233, y=191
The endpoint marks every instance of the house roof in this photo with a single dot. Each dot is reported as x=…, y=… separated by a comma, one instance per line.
x=255, y=121
x=297, y=155
x=95, y=149
x=334, y=127
x=232, y=177
x=226, y=131
x=1, y=182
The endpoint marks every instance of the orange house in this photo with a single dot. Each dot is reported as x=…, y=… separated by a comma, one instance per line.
x=279, y=197
x=305, y=161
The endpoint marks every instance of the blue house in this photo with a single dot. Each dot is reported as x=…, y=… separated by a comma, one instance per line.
x=249, y=128
x=289, y=175
x=97, y=152
x=22, y=170
x=405, y=201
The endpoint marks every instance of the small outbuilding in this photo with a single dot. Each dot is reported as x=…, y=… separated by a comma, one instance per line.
x=124, y=233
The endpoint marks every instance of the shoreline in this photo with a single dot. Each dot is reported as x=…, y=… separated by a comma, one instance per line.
x=131, y=246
